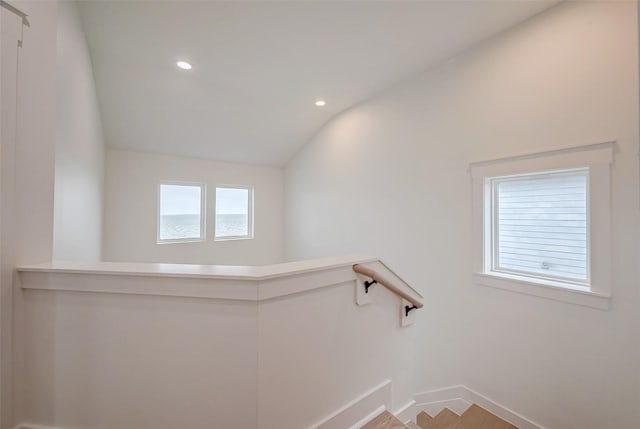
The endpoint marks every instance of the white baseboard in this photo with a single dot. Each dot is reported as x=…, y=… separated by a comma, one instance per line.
x=459, y=398
x=407, y=412
x=368, y=418
x=457, y=405
x=33, y=426
x=365, y=407
x=353, y=415
x=361, y=409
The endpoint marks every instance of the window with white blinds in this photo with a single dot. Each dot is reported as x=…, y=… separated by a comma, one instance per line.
x=540, y=225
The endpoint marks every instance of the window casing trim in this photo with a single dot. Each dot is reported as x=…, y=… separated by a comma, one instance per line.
x=598, y=158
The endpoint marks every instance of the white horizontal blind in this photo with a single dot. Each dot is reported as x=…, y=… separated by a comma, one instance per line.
x=540, y=225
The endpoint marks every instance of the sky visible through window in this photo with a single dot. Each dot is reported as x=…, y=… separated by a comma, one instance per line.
x=232, y=212
x=232, y=201
x=179, y=199
x=180, y=212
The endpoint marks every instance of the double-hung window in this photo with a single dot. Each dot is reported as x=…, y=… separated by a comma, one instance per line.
x=542, y=224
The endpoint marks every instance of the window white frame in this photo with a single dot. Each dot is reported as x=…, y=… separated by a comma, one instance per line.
x=598, y=158
x=492, y=263
x=203, y=212
x=250, y=228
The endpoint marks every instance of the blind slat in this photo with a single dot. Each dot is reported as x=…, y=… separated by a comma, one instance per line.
x=543, y=253
x=555, y=197
x=539, y=234
x=536, y=259
x=552, y=265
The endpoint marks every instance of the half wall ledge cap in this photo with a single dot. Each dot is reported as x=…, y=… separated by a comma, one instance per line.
x=226, y=272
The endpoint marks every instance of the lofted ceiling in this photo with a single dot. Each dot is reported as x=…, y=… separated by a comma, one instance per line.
x=259, y=67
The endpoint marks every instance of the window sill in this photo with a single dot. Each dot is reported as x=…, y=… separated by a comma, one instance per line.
x=232, y=238
x=180, y=240
x=549, y=290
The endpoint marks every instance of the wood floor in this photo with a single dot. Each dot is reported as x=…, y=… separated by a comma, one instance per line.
x=474, y=418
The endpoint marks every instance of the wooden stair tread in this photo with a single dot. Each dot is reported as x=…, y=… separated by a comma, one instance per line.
x=385, y=420
x=477, y=417
x=424, y=420
x=445, y=419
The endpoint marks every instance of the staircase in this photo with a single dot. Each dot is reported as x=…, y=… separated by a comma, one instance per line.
x=474, y=418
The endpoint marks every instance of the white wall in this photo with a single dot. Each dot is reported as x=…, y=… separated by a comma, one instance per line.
x=157, y=350
x=390, y=177
x=128, y=361
x=11, y=29
x=131, y=210
x=36, y=139
x=79, y=172
x=319, y=351
x=28, y=198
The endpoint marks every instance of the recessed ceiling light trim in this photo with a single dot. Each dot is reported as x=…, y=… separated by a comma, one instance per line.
x=321, y=103
x=184, y=65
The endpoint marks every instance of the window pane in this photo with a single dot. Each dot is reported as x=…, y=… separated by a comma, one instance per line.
x=180, y=212
x=541, y=225
x=233, y=215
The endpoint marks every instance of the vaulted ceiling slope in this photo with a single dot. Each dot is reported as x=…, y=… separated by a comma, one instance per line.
x=258, y=67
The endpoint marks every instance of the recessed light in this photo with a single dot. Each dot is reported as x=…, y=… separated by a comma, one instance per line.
x=321, y=103
x=184, y=65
